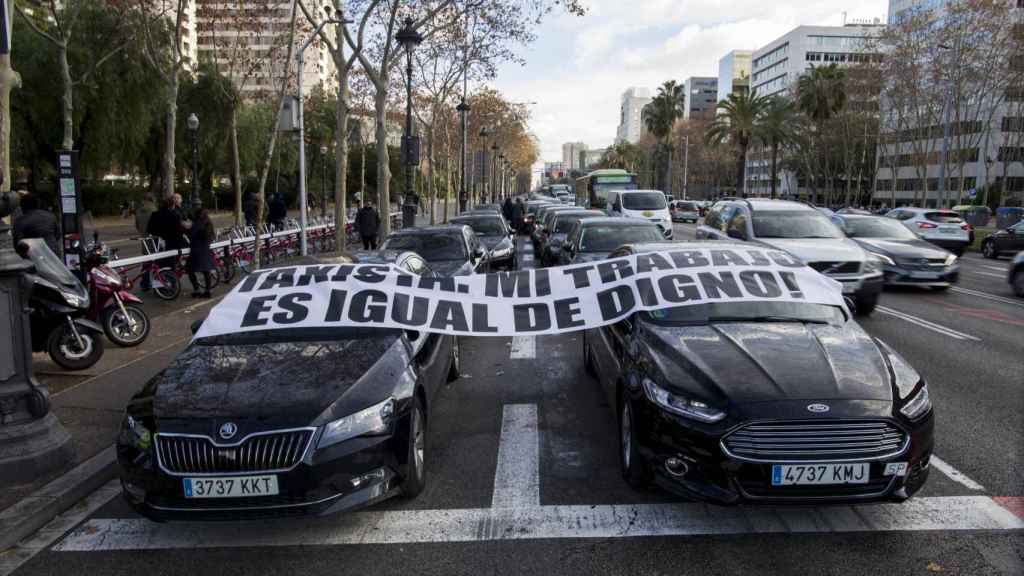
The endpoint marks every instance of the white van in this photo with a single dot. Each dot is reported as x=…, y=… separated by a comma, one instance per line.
x=648, y=205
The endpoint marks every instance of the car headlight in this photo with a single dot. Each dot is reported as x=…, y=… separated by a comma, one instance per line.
x=883, y=259
x=951, y=259
x=501, y=252
x=134, y=434
x=918, y=405
x=373, y=420
x=906, y=377
x=688, y=407
x=872, y=265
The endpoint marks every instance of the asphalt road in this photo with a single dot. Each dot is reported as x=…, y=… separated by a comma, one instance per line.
x=544, y=496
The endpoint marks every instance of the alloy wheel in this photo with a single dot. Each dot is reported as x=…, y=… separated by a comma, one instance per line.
x=419, y=443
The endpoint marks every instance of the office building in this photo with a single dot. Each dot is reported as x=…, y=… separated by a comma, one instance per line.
x=591, y=158
x=630, y=114
x=700, y=96
x=734, y=73
x=571, y=155
x=256, y=36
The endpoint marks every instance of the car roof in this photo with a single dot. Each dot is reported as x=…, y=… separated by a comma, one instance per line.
x=481, y=215
x=449, y=228
x=644, y=247
x=765, y=204
x=634, y=191
x=617, y=222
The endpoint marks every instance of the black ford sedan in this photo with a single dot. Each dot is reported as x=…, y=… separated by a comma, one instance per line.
x=762, y=401
x=907, y=259
x=285, y=422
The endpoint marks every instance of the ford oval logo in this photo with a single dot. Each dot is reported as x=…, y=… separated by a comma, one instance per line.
x=229, y=429
x=818, y=408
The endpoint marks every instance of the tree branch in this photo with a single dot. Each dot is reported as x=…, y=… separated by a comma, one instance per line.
x=35, y=28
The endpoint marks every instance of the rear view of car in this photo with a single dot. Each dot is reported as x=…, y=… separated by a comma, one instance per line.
x=943, y=228
x=685, y=211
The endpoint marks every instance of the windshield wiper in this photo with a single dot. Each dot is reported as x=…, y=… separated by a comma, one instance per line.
x=765, y=319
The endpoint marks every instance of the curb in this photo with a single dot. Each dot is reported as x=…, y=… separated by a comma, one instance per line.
x=33, y=512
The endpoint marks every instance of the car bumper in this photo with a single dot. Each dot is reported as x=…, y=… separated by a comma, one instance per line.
x=714, y=476
x=951, y=244
x=861, y=287
x=348, y=475
x=904, y=276
x=690, y=217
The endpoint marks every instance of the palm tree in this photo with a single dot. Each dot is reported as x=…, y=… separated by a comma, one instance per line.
x=737, y=123
x=821, y=95
x=660, y=117
x=775, y=129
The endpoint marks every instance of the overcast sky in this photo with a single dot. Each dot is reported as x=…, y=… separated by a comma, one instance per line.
x=578, y=68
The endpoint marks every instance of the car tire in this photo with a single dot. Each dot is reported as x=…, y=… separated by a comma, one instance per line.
x=1018, y=283
x=455, y=366
x=416, y=475
x=634, y=469
x=988, y=250
x=865, y=306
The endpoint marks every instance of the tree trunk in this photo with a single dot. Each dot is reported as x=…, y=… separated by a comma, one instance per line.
x=775, y=173
x=741, y=165
x=9, y=80
x=341, y=164
x=383, y=159
x=236, y=168
x=362, y=173
x=170, y=122
x=67, y=100
x=431, y=186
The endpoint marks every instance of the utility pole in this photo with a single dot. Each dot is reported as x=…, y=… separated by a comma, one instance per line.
x=686, y=162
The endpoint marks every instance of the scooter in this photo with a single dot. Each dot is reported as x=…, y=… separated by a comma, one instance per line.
x=58, y=306
x=111, y=302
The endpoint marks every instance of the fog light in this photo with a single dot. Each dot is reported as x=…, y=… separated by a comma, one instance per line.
x=368, y=478
x=676, y=467
x=134, y=491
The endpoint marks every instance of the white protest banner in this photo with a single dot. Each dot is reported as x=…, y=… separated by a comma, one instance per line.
x=543, y=301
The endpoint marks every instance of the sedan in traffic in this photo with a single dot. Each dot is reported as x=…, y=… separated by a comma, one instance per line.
x=906, y=258
x=1009, y=240
x=595, y=238
x=780, y=402
x=561, y=225
x=304, y=421
x=496, y=236
x=452, y=250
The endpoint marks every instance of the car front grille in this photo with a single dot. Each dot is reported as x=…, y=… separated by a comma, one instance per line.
x=815, y=440
x=836, y=267
x=928, y=264
x=263, y=452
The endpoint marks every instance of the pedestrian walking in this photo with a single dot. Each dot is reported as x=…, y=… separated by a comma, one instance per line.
x=506, y=209
x=518, y=209
x=251, y=208
x=368, y=224
x=200, y=258
x=36, y=222
x=278, y=212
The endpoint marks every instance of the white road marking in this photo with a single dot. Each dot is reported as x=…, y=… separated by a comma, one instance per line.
x=996, y=268
x=926, y=324
x=523, y=347
x=12, y=559
x=987, y=296
x=545, y=522
x=954, y=474
x=527, y=257
x=517, y=476
x=979, y=273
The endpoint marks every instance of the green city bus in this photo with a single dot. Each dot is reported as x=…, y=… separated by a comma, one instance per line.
x=592, y=190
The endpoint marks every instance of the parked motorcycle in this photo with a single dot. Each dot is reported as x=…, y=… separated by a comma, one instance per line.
x=112, y=303
x=58, y=304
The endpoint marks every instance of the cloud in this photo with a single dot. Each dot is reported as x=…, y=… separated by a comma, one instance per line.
x=579, y=67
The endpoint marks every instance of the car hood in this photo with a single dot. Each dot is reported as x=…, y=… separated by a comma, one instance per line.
x=451, y=267
x=590, y=257
x=736, y=363
x=278, y=381
x=495, y=242
x=555, y=241
x=907, y=249
x=818, y=249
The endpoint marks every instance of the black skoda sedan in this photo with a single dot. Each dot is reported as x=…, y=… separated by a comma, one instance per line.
x=285, y=422
x=762, y=401
x=451, y=250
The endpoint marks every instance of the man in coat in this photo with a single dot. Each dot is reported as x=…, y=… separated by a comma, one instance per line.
x=368, y=224
x=517, y=215
x=36, y=222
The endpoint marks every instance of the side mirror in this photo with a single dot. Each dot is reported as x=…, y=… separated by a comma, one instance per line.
x=197, y=325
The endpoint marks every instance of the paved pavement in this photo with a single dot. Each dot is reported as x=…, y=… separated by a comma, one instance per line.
x=523, y=477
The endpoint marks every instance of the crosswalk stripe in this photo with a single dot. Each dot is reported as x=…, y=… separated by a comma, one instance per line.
x=517, y=476
x=954, y=474
x=523, y=347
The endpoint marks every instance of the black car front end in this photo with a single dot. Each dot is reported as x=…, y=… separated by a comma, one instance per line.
x=933, y=272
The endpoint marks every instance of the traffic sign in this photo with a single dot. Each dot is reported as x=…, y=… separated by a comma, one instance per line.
x=972, y=193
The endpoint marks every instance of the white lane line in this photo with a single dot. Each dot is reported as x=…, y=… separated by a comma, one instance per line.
x=954, y=474
x=517, y=477
x=926, y=324
x=55, y=529
x=545, y=522
x=990, y=274
x=523, y=347
x=986, y=295
x=527, y=257
x=996, y=268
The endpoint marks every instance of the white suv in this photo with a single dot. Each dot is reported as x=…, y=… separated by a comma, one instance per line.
x=944, y=228
x=804, y=232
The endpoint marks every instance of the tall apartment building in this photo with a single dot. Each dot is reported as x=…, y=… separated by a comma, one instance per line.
x=630, y=121
x=734, y=73
x=992, y=149
x=261, y=28
x=590, y=158
x=571, y=155
x=777, y=66
x=700, y=96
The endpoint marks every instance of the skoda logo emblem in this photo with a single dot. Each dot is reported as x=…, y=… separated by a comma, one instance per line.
x=816, y=408
x=229, y=429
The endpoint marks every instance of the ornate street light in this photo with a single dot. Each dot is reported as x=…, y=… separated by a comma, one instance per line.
x=463, y=109
x=409, y=39
x=193, y=130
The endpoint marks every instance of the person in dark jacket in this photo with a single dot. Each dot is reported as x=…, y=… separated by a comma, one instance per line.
x=506, y=209
x=200, y=258
x=251, y=208
x=277, y=212
x=166, y=224
x=368, y=224
x=517, y=215
x=35, y=222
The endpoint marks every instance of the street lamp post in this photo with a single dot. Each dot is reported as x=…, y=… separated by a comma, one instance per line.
x=484, y=170
x=463, y=109
x=193, y=130
x=494, y=169
x=944, y=159
x=409, y=39
x=323, y=181
x=500, y=192
x=686, y=162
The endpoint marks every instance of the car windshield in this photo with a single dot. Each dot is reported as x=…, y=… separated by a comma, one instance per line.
x=944, y=217
x=794, y=224
x=48, y=264
x=879, y=227
x=564, y=223
x=643, y=201
x=605, y=238
x=430, y=246
x=484, y=226
x=688, y=206
x=714, y=312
